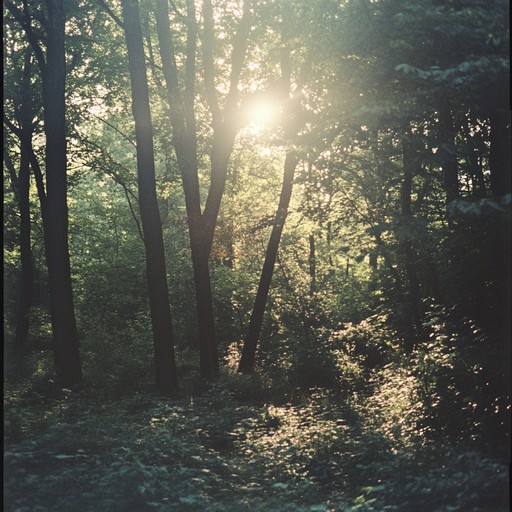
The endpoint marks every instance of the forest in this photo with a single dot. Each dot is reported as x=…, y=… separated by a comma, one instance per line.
x=257, y=255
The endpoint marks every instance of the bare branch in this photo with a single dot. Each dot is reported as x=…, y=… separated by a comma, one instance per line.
x=111, y=13
x=125, y=137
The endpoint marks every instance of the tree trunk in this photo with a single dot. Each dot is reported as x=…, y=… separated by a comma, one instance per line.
x=20, y=184
x=165, y=367
x=332, y=269
x=248, y=358
x=27, y=270
x=65, y=336
x=27, y=274
x=312, y=265
x=500, y=159
x=181, y=100
x=448, y=155
x=208, y=357
x=412, y=309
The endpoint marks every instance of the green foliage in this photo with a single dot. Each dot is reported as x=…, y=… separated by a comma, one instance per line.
x=463, y=382
x=336, y=417
x=371, y=340
x=118, y=359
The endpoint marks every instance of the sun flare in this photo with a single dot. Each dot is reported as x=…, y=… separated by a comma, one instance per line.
x=261, y=115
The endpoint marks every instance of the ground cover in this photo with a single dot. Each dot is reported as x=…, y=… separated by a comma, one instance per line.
x=213, y=450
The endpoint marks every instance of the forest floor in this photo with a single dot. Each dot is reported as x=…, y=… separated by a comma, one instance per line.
x=215, y=451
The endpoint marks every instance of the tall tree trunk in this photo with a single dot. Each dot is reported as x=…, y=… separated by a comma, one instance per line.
x=181, y=98
x=181, y=104
x=27, y=270
x=65, y=336
x=291, y=127
x=20, y=184
x=27, y=273
x=411, y=166
x=500, y=158
x=248, y=358
x=165, y=367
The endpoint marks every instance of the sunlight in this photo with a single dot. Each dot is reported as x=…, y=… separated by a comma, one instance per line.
x=261, y=113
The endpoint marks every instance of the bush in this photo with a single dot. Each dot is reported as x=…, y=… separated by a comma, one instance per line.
x=371, y=340
x=463, y=381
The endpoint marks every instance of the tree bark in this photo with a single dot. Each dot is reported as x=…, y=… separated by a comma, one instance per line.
x=165, y=366
x=65, y=336
x=248, y=358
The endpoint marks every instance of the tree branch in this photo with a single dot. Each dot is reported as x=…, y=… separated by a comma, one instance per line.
x=238, y=58
x=111, y=13
x=190, y=72
x=24, y=19
x=12, y=173
x=208, y=66
x=125, y=137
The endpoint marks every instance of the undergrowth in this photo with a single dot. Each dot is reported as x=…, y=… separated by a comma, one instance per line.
x=219, y=450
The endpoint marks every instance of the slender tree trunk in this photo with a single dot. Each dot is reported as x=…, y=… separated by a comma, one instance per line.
x=27, y=274
x=448, y=154
x=248, y=358
x=312, y=265
x=181, y=98
x=27, y=269
x=332, y=269
x=477, y=175
x=21, y=183
x=412, y=290
x=65, y=336
x=291, y=127
x=185, y=144
x=165, y=366
x=500, y=158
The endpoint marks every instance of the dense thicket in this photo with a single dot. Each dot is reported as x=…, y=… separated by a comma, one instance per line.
x=376, y=268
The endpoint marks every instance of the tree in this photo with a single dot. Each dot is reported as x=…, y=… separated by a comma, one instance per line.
x=53, y=194
x=165, y=365
x=224, y=126
x=67, y=359
x=21, y=185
